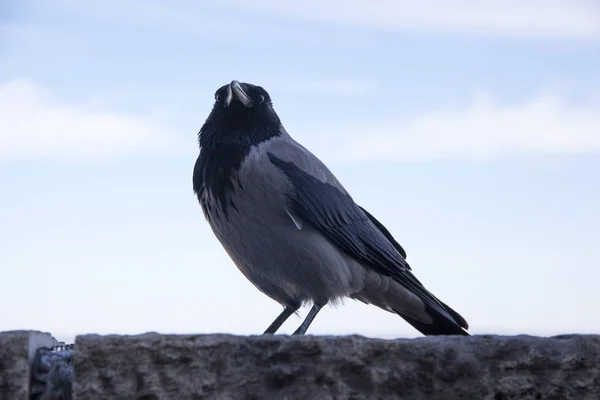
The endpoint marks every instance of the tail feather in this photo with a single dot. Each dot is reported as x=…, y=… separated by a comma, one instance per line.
x=399, y=296
x=457, y=317
x=422, y=310
x=441, y=324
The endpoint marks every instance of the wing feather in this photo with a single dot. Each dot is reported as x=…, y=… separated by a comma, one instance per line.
x=335, y=214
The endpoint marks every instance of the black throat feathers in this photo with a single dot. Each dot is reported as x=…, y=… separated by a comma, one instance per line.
x=226, y=139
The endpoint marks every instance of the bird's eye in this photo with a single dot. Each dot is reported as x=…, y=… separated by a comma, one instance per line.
x=216, y=96
x=261, y=98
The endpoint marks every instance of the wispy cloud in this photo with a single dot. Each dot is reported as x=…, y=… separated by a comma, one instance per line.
x=229, y=18
x=333, y=87
x=191, y=18
x=545, y=124
x=536, y=18
x=35, y=126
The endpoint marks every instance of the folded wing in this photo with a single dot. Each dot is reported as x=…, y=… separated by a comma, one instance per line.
x=335, y=214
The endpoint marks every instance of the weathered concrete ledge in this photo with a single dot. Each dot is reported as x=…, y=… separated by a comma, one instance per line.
x=153, y=366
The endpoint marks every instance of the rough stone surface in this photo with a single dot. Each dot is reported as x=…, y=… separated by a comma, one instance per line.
x=52, y=374
x=17, y=349
x=152, y=367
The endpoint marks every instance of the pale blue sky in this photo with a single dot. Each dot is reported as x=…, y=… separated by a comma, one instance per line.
x=471, y=129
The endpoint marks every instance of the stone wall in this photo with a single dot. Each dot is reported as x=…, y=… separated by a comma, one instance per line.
x=153, y=366
x=17, y=351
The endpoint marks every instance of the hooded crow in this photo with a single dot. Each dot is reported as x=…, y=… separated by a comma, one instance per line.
x=290, y=226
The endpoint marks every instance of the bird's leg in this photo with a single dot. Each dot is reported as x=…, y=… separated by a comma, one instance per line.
x=281, y=318
x=309, y=319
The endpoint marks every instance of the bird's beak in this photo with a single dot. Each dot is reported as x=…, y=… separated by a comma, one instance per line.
x=234, y=90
